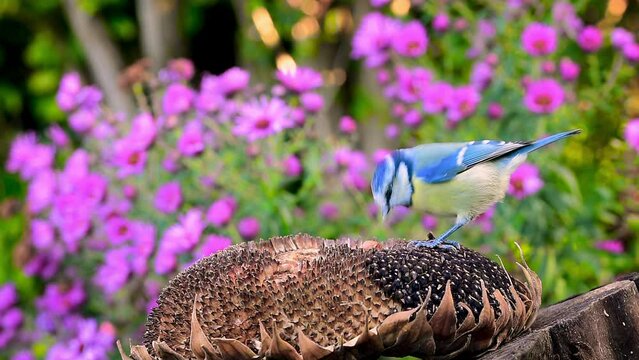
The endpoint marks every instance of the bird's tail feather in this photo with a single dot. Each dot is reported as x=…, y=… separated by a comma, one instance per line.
x=549, y=140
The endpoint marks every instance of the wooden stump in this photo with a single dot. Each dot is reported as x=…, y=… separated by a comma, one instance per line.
x=600, y=324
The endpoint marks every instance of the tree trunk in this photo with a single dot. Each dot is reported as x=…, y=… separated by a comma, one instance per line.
x=105, y=62
x=160, y=38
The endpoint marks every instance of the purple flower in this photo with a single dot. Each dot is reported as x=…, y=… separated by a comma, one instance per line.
x=165, y=262
x=89, y=98
x=411, y=40
x=58, y=136
x=312, y=102
x=462, y=103
x=631, y=133
x=412, y=83
x=391, y=131
x=118, y=230
x=543, y=96
x=436, y=97
x=373, y=37
x=177, y=70
x=114, y=273
x=441, y=22
x=233, y=80
x=213, y=244
x=168, y=197
x=590, y=38
x=82, y=120
x=398, y=214
x=485, y=220
x=8, y=296
x=429, y=222
x=355, y=180
x=300, y=79
x=129, y=158
x=412, y=118
x=631, y=52
x=347, y=125
x=525, y=181
x=23, y=355
x=495, y=111
x=548, y=67
x=72, y=219
x=379, y=155
x=292, y=166
x=42, y=234
x=92, y=188
x=248, y=228
x=261, y=118
x=177, y=99
x=379, y=3
x=569, y=69
x=191, y=142
x=221, y=211
x=143, y=131
x=70, y=86
x=10, y=322
x=41, y=191
x=564, y=15
x=61, y=299
x=611, y=246
x=539, y=39
x=329, y=211
x=481, y=75
x=27, y=157
x=621, y=37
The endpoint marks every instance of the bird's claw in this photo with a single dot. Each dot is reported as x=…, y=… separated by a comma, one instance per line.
x=433, y=243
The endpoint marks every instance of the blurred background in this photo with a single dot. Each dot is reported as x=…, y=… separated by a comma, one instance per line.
x=139, y=136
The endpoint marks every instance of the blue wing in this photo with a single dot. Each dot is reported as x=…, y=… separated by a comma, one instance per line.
x=462, y=158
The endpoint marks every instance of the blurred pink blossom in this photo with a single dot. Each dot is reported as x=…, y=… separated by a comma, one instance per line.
x=631, y=133
x=543, y=96
x=611, y=246
x=539, y=39
x=590, y=38
x=411, y=39
x=525, y=181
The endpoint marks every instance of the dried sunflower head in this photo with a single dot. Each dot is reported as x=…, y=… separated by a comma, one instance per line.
x=302, y=297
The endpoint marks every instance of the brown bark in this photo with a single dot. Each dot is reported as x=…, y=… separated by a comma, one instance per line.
x=104, y=59
x=159, y=35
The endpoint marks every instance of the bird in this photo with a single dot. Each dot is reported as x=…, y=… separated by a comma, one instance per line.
x=462, y=179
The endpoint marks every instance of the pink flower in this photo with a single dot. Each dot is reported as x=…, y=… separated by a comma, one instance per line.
x=411, y=40
x=412, y=83
x=58, y=136
x=632, y=133
x=213, y=244
x=621, y=37
x=429, y=222
x=611, y=246
x=82, y=121
x=143, y=131
x=41, y=191
x=312, y=102
x=177, y=99
x=373, y=37
x=631, y=52
x=347, y=125
x=221, y=211
x=292, y=166
x=118, y=230
x=70, y=86
x=379, y=3
x=543, y=96
x=590, y=38
x=495, y=111
x=412, y=118
x=300, y=79
x=70, y=216
x=569, y=69
x=261, y=118
x=380, y=154
x=129, y=159
x=463, y=103
x=168, y=197
x=441, y=22
x=539, y=39
x=481, y=75
x=525, y=181
x=391, y=131
x=329, y=211
x=191, y=142
x=165, y=262
x=248, y=228
x=28, y=158
x=436, y=97
x=42, y=234
x=233, y=80
x=177, y=70
x=485, y=220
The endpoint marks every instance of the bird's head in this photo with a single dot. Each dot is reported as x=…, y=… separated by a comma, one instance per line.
x=391, y=184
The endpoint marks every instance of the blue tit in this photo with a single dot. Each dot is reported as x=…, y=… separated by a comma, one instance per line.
x=463, y=179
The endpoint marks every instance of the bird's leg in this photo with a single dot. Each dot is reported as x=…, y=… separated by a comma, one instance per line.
x=441, y=240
